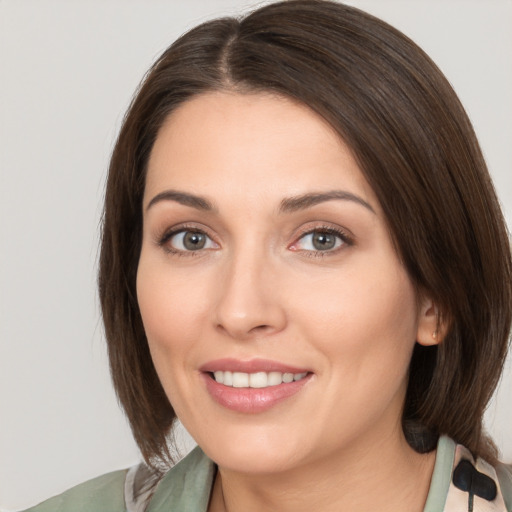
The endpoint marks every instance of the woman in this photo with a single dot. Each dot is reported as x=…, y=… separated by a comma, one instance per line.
x=303, y=259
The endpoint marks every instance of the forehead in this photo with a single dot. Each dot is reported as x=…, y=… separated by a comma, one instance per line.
x=253, y=144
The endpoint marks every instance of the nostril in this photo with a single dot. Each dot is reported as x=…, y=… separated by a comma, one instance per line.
x=261, y=328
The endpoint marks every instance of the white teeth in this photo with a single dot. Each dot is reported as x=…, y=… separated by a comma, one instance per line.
x=255, y=380
x=258, y=380
x=274, y=378
x=240, y=380
x=228, y=378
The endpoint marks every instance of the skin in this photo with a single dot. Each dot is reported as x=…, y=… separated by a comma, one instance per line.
x=260, y=289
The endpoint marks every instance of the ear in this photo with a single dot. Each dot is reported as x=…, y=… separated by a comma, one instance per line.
x=431, y=327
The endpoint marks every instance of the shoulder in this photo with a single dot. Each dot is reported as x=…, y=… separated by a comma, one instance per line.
x=504, y=473
x=186, y=486
x=102, y=494
x=461, y=482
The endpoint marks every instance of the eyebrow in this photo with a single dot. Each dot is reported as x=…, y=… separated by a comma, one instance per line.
x=184, y=198
x=288, y=205
x=309, y=200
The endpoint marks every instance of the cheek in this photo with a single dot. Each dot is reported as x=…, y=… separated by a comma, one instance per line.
x=172, y=310
x=367, y=320
x=173, y=314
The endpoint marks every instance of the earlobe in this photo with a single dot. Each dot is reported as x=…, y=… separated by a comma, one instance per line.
x=430, y=324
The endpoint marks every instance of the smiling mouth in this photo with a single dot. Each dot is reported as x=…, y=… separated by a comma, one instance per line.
x=253, y=386
x=257, y=380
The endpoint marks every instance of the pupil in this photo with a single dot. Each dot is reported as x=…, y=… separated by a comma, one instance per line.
x=194, y=241
x=323, y=241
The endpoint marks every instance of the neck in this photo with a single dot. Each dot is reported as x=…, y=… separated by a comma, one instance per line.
x=387, y=475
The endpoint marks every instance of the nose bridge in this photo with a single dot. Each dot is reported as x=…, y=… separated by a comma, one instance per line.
x=248, y=304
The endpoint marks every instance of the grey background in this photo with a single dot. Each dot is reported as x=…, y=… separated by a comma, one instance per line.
x=67, y=72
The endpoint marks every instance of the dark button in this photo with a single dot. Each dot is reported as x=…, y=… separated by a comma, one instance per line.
x=467, y=478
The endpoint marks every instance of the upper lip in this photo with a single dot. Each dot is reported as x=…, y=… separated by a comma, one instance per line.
x=250, y=366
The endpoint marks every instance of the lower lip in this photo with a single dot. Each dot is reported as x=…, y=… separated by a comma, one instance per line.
x=252, y=400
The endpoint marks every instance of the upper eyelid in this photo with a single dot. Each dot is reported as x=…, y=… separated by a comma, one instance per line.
x=185, y=226
x=162, y=241
x=342, y=232
x=162, y=236
x=347, y=241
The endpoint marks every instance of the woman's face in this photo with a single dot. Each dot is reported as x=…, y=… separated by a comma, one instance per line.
x=266, y=259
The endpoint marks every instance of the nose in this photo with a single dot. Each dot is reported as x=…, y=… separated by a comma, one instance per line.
x=249, y=305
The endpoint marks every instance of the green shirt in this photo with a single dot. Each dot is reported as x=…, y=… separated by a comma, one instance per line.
x=187, y=486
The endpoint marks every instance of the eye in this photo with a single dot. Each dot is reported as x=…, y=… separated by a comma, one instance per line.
x=188, y=240
x=321, y=240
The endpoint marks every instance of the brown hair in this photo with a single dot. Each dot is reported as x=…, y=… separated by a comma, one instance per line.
x=417, y=149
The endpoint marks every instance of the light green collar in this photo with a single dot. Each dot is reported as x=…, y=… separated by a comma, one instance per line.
x=442, y=475
x=186, y=487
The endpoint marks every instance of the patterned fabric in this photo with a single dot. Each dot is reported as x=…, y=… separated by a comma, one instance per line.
x=139, y=486
x=459, y=500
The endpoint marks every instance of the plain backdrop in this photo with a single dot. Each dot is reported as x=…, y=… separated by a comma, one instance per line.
x=68, y=70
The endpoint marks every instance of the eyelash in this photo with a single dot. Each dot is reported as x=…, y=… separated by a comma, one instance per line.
x=163, y=239
x=346, y=240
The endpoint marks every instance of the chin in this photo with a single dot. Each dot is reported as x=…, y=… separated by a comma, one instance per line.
x=252, y=450
x=253, y=460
